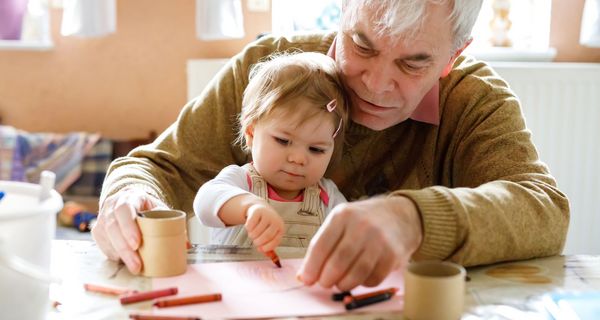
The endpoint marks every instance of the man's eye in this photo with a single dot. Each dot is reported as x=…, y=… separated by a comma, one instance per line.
x=412, y=68
x=281, y=141
x=361, y=49
x=316, y=150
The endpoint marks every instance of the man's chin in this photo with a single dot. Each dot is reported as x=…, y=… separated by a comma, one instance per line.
x=370, y=121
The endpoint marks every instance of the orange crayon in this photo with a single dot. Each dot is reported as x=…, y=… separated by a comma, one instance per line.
x=274, y=257
x=349, y=298
x=154, y=317
x=148, y=295
x=116, y=291
x=188, y=300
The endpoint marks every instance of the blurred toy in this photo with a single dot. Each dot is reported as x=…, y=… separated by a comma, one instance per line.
x=76, y=215
x=500, y=24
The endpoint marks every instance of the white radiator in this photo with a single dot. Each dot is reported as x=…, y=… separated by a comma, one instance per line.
x=561, y=103
x=199, y=74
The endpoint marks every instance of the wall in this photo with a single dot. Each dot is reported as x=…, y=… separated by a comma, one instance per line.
x=122, y=85
x=564, y=32
x=134, y=81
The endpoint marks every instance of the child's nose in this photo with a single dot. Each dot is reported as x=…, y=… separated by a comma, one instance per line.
x=297, y=156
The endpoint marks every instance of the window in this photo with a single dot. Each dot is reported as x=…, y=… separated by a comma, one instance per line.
x=25, y=25
x=305, y=15
x=528, y=33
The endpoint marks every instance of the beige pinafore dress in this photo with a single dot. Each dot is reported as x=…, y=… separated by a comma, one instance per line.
x=302, y=219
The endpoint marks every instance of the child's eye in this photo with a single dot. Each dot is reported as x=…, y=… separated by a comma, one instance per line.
x=281, y=141
x=316, y=150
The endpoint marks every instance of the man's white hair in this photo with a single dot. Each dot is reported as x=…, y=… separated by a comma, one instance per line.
x=404, y=17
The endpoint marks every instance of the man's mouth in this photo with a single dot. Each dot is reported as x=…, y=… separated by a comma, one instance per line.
x=371, y=104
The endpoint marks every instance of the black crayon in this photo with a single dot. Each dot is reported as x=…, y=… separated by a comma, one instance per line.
x=340, y=296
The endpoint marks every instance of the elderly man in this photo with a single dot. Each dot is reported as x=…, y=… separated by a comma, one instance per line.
x=438, y=157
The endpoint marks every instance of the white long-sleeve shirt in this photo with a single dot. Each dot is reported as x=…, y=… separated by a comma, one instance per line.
x=233, y=181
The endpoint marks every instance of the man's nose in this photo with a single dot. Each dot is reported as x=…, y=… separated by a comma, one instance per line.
x=378, y=79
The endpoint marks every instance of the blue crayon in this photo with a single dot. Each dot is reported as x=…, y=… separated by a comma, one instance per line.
x=1, y=195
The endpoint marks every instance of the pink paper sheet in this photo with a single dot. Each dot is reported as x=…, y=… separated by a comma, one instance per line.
x=258, y=289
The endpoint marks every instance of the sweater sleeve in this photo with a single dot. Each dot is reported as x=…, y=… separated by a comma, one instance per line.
x=230, y=182
x=191, y=151
x=498, y=201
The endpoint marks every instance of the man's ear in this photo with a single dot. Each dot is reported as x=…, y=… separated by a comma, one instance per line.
x=249, y=135
x=448, y=67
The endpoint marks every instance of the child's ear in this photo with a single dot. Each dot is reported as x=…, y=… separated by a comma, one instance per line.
x=249, y=135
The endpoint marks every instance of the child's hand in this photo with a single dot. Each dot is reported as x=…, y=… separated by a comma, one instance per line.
x=264, y=226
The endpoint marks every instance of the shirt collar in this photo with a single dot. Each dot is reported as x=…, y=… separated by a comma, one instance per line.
x=428, y=110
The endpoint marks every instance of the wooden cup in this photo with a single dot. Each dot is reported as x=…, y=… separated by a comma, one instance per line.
x=163, y=249
x=434, y=290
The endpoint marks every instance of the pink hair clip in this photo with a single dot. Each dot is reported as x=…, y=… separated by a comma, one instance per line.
x=331, y=105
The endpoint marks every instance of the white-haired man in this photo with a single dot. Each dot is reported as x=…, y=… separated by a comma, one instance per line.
x=437, y=155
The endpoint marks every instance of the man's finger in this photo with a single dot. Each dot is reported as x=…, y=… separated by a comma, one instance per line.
x=99, y=235
x=125, y=215
x=360, y=268
x=321, y=246
x=130, y=257
x=149, y=203
x=340, y=261
x=381, y=270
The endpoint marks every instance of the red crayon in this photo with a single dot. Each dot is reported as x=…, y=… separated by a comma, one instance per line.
x=154, y=317
x=273, y=256
x=148, y=295
x=368, y=300
x=350, y=298
x=116, y=291
x=188, y=300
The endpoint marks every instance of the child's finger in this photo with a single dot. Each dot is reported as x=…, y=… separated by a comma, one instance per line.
x=258, y=229
x=252, y=222
x=266, y=236
x=273, y=243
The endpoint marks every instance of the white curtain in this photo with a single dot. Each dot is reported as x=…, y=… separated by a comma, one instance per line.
x=590, y=24
x=219, y=19
x=89, y=18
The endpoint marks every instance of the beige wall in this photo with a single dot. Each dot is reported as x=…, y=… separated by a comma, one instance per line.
x=122, y=85
x=134, y=81
x=564, y=32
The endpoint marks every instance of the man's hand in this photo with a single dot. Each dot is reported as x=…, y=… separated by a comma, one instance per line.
x=264, y=226
x=116, y=231
x=361, y=242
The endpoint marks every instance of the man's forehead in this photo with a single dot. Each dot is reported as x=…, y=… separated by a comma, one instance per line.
x=413, y=47
x=428, y=35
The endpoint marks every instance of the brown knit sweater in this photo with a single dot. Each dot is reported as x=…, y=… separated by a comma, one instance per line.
x=483, y=194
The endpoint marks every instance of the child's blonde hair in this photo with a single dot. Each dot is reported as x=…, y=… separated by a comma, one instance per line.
x=286, y=77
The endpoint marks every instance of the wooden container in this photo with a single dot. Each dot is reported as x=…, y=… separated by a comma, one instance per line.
x=163, y=249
